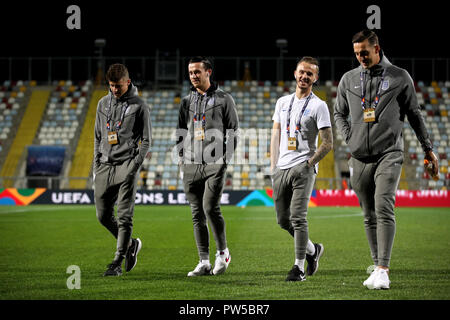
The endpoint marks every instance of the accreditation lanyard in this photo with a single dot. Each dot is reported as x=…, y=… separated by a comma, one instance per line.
x=199, y=126
x=363, y=90
x=196, y=115
x=297, y=124
x=109, y=116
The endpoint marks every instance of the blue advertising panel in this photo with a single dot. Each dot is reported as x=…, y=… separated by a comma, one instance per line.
x=45, y=160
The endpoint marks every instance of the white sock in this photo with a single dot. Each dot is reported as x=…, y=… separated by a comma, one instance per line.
x=205, y=262
x=310, y=248
x=301, y=264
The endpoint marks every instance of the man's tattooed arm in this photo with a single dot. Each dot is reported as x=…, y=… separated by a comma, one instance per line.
x=326, y=134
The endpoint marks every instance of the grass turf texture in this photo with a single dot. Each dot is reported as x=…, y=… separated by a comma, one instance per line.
x=38, y=243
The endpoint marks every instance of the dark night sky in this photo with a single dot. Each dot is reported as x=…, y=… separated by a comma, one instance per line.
x=220, y=28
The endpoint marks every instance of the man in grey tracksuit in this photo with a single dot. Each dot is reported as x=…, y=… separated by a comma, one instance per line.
x=377, y=96
x=206, y=140
x=122, y=139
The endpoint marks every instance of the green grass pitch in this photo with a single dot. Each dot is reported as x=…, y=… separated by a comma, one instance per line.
x=38, y=243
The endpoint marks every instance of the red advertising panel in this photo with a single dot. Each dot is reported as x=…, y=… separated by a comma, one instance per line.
x=404, y=198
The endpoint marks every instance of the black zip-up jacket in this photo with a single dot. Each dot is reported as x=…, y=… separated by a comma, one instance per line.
x=397, y=99
x=220, y=127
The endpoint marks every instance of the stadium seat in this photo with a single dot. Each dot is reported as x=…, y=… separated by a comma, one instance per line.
x=255, y=101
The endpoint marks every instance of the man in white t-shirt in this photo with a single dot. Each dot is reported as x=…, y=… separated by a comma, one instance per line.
x=298, y=120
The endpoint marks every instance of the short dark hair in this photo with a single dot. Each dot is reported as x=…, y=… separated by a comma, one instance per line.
x=117, y=72
x=366, y=35
x=206, y=63
x=310, y=60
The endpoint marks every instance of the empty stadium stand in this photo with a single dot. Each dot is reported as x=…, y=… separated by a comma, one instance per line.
x=64, y=114
x=13, y=99
x=82, y=161
x=25, y=134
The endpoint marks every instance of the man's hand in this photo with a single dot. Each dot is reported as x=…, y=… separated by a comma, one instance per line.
x=431, y=157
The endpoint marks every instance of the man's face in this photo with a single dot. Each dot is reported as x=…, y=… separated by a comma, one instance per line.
x=305, y=75
x=367, y=55
x=119, y=88
x=198, y=75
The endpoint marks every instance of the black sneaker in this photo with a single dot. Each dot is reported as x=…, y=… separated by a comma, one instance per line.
x=114, y=269
x=131, y=257
x=295, y=274
x=313, y=260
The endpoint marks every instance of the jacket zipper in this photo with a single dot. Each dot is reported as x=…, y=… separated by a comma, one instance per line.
x=368, y=124
x=112, y=117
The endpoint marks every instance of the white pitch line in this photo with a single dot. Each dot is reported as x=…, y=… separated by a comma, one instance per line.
x=37, y=209
x=360, y=214
x=250, y=217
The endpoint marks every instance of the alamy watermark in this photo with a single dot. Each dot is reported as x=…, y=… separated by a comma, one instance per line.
x=74, y=20
x=74, y=280
x=374, y=20
x=242, y=146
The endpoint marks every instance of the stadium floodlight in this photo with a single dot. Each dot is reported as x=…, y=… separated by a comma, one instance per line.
x=99, y=44
x=282, y=44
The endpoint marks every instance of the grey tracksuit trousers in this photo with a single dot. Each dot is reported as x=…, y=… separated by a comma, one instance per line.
x=375, y=184
x=292, y=189
x=116, y=183
x=203, y=186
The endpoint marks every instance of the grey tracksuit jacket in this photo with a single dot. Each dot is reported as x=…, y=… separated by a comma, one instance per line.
x=221, y=127
x=134, y=135
x=397, y=100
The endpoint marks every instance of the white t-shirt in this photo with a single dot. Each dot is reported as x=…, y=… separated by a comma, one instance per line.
x=315, y=117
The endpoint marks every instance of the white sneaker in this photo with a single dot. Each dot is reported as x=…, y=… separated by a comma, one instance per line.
x=200, y=270
x=381, y=280
x=222, y=261
x=378, y=279
x=369, y=281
